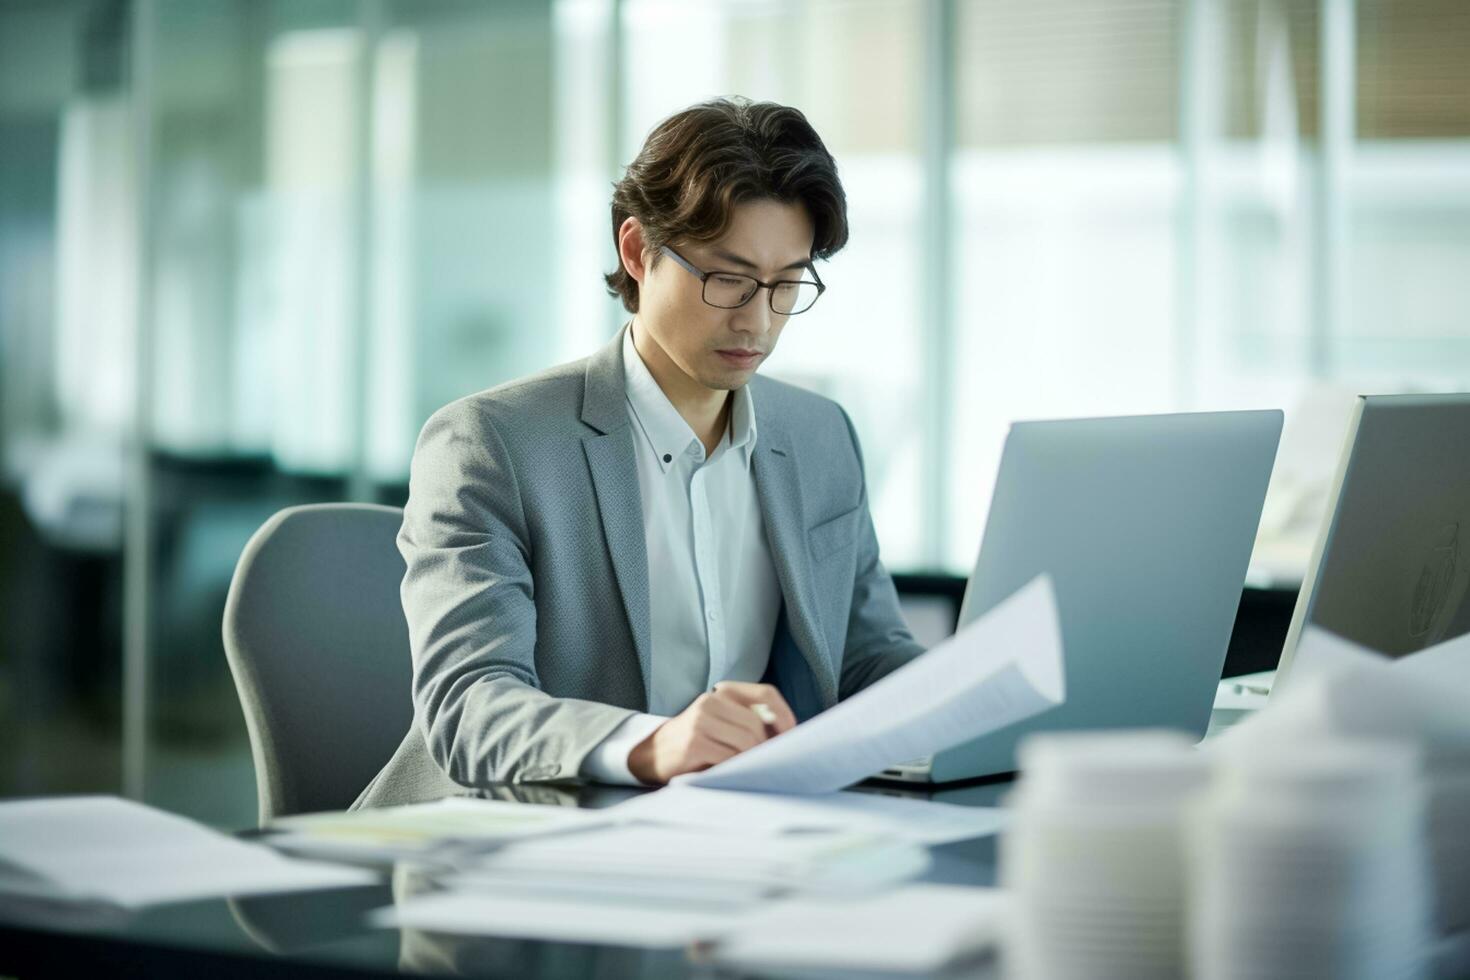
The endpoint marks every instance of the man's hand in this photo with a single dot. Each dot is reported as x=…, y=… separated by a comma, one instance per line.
x=716, y=726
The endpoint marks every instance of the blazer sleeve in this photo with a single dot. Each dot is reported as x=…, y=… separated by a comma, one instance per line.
x=878, y=638
x=468, y=596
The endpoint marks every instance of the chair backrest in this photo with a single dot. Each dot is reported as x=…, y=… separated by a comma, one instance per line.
x=318, y=645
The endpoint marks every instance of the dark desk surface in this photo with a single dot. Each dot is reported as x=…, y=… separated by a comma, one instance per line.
x=323, y=934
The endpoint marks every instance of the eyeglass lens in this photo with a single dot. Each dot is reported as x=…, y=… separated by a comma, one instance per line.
x=787, y=298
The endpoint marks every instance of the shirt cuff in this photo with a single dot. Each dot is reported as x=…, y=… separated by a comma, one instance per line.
x=608, y=761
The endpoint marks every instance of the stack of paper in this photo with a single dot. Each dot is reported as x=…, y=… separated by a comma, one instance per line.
x=637, y=885
x=441, y=829
x=914, y=928
x=102, y=849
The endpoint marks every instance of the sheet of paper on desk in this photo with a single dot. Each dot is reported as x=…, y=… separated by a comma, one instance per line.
x=914, y=929
x=916, y=820
x=641, y=859
x=1004, y=667
x=566, y=918
x=457, y=824
x=113, y=851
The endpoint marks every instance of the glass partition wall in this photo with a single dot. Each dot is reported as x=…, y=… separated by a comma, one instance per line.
x=68, y=273
x=248, y=246
x=353, y=214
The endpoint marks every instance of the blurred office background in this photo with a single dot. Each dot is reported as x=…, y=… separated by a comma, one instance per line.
x=248, y=246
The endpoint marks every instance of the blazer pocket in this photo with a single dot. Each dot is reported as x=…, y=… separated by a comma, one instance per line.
x=833, y=534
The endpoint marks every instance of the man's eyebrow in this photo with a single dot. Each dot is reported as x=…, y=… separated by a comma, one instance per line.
x=720, y=253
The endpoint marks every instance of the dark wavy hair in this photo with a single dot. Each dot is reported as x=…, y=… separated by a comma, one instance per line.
x=698, y=164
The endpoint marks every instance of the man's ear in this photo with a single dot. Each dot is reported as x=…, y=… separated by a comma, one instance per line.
x=631, y=248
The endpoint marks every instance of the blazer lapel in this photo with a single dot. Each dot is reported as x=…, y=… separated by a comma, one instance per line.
x=614, y=472
x=779, y=491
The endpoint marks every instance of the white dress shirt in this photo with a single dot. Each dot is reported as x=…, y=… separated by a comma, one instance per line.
x=713, y=594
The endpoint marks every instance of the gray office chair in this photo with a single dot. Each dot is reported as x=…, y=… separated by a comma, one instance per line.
x=317, y=643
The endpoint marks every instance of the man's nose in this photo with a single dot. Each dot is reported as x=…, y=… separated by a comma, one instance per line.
x=757, y=311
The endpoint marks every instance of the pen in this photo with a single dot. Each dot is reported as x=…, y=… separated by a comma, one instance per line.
x=766, y=715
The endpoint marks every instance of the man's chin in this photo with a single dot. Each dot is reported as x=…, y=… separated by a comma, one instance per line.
x=728, y=379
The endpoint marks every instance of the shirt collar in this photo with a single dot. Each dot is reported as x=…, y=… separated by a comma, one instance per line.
x=665, y=429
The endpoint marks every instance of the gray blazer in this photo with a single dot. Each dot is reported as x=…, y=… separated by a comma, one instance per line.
x=527, y=586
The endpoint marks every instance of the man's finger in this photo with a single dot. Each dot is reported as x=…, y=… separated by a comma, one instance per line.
x=737, y=715
x=735, y=737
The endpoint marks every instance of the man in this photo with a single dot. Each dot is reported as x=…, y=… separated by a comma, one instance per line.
x=643, y=563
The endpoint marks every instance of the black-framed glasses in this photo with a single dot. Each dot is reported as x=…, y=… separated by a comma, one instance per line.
x=731, y=290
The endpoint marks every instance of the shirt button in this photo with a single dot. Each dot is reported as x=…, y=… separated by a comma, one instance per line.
x=714, y=614
x=668, y=458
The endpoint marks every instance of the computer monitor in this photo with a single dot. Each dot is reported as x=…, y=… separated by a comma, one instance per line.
x=1391, y=566
x=1145, y=525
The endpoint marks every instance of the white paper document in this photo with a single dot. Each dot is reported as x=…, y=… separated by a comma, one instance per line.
x=914, y=820
x=914, y=929
x=1446, y=664
x=1320, y=651
x=108, y=850
x=1339, y=688
x=1004, y=667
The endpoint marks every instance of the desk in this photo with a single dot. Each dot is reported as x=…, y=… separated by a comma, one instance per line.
x=323, y=935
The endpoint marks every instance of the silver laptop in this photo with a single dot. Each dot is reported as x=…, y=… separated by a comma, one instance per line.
x=1145, y=525
x=1391, y=567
